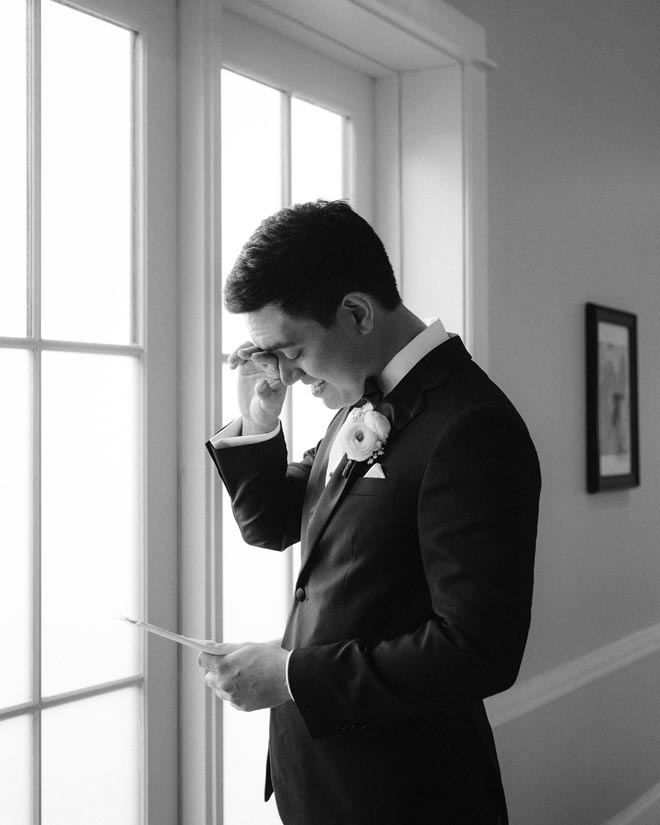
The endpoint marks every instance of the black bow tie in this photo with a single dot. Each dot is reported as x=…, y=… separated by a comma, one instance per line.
x=372, y=392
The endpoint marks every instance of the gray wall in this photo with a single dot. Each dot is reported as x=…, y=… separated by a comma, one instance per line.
x=574, y=210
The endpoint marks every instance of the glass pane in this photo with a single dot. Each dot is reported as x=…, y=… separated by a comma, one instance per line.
x=614, y=425
x=251, y=172
x=261, y=573
x=317, y=157
x=16, y=527
x=252, y=155
x=86, y=177
x=265, y=574
x=92, y=760
x=246, y=568
x=16, y=773
x=13, y=170
x=229, y=395
x=310, y=420
x=244, y=771
x=91, y=554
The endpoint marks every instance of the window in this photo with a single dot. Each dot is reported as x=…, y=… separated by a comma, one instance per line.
x=76, y=389
x=277, y=149
x=412, y=85
x=122, y=334
x=283, y=141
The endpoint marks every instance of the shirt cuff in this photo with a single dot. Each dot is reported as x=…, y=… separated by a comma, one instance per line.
x=288, y=686
x=231, y=436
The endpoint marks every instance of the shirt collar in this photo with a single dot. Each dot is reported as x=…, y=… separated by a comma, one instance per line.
x=406, y=358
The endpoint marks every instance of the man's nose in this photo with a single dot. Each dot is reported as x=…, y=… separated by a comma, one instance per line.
x=288, y=373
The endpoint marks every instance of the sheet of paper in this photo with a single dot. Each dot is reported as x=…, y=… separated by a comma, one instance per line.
x=187, y=641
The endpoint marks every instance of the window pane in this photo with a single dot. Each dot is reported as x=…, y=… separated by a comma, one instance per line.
x=245, y=769
x=317, y=161
x=13, y=170
x=251, y=172
x=261, y=573
x=16, y=527
x=265, y=575
x=90, y=518
x=229, y=395
x=252, y=160
x=86, y=177
x=16, y=775
x=92, y=760
x=310, y=420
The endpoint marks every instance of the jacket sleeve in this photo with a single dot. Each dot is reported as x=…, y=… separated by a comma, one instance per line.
x=266, y=494
x=477, y=516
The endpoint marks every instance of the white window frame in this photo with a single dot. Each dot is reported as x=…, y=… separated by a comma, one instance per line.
x=155, y=22
x=299, y=72
x=296, y=72
x=155, y=344
x=394, y=41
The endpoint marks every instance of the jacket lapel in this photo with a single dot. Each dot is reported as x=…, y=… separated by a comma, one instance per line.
x=316, y=484
x=325, y=505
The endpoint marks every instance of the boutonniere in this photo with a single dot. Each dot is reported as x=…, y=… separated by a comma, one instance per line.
x=364, y=433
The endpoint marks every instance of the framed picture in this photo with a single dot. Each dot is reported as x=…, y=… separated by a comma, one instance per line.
x=612, y=423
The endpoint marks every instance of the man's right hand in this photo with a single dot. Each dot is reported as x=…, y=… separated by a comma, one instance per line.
x=261, y=393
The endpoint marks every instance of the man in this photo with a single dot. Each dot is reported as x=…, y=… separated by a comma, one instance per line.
x=413, y=599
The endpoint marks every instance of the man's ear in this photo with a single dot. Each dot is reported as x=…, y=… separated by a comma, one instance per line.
x=361, y=310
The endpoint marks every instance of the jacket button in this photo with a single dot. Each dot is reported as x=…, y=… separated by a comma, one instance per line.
x=300, y=594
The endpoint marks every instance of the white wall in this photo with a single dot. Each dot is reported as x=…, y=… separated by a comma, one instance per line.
x=574, y=213
x=432, y=205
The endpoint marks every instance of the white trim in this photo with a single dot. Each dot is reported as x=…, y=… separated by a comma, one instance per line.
x=432, y=193
x=154, y=255
x=643, y=811
x=547, y=687
x=200, y=614
x=375, y=36
x=476, y=301
x=387, y=219
x=437, y=24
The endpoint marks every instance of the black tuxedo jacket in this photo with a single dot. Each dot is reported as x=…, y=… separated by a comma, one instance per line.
x=412, y=603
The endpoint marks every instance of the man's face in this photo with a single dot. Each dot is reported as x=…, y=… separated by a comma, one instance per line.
x=329, y=361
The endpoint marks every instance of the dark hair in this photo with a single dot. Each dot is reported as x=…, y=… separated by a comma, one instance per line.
x=305, y=258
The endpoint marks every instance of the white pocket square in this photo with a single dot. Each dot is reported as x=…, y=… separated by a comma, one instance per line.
x=375, y=471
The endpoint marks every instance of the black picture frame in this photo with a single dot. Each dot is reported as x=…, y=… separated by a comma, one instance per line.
x=612, y=410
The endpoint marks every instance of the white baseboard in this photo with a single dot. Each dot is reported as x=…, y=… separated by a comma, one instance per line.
x=644, y=811
x=540, y=690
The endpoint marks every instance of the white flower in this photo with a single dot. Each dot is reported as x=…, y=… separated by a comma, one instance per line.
x=378, y=423
x=364, y=434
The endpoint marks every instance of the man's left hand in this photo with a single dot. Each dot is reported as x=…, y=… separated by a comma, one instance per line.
x=249, y=676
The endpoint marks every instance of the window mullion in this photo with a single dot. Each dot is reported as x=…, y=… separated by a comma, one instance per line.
x=34, y=169
x=347, y=183
x=34, y=331
x=285, y=152
x=137, y=188
x=285, y=144
x=37, y=658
